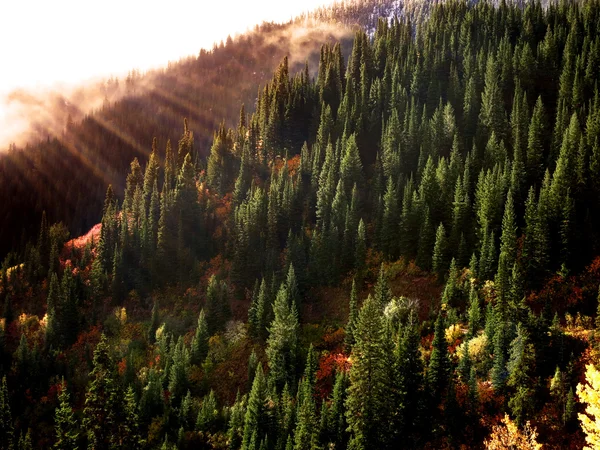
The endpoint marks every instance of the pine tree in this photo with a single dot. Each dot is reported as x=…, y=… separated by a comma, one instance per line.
x=130, y=437
x=236, y=422
x=306, y=433
x=207, y=416
x=257, y=316
x=352, y=317
x=178, y=374
x=103, y=400
x=570, y=414
x=217, y=305
x=6, y=423
x=382, y=294
x=368, y=381
x=521, y=366
x=439, y=363
x=535, y=143
x=439, y=258
x=257, y=414
x=336, y=421
x=410, y=380
x=493, y=114
x=508, y=249
x=65, y=424
x=282, y=343
x=360, y=251
x=199, y=349
x=391, y=221
x=474, y=313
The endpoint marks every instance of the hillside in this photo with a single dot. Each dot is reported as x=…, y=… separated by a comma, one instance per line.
x=399, y=251
x=81, y=152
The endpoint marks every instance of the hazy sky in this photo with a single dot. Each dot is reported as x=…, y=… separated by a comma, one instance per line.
x=47, y=41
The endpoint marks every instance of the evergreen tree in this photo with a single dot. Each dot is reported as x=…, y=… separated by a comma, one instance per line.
x=199, y=349
x=65, y=425
x=6, y=421
x=103, y=400
x=282, y=343
x=439, y=258
x=439, y=363
x=130, y=437
x=236, y=422
x=368, y=381
x=256, y=418
x=352, y=317
x=474, y=313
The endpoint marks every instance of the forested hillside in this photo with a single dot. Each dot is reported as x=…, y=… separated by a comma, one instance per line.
x=400, y=252
x=67, y=171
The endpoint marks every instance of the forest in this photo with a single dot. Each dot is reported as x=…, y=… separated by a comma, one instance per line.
x=397, y=245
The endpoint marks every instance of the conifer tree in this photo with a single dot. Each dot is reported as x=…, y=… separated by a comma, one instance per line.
x=130, y=427
x=282, y=343
x=439, y=363
x=236, y=422
x=520, y=366
x=199, y=349
x=368, y=381
x=493, y=114
x=306, y=434
x=360, y=251
x=439, y=258
x=6, y=422
x=103, y=400
x=178, y=374
x=391, y=221
x=352, y=317
x=65, y=425
x=208, y=413
x=217, y=305
x=257, y=414
x=474, y=313
x=336, y=421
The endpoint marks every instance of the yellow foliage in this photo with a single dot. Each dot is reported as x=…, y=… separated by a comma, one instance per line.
x=476, y=348
x=590, y=394
x=121, y=315
x=453, y=333
x=508, y=436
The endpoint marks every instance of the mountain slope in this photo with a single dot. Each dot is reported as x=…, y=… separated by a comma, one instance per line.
x=67, y=173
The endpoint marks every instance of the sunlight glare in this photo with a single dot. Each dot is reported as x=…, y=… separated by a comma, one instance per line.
x=68, y=41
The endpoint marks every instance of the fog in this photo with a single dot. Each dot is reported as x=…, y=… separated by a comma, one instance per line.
x=61, y=65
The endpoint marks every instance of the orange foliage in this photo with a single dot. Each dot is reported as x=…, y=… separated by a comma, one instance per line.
x=80, y=242
x=121, y=366
x=293, y=165
x=329, y=365
x=216, y=266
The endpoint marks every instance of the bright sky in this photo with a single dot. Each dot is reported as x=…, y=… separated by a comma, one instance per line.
x=47, y=41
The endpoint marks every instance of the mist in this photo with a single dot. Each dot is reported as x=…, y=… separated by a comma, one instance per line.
x=32, y=114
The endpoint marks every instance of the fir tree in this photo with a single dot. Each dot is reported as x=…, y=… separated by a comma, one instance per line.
x=439, y=363
x=6, y=421
x=368, y=382
x=352, y=317
x=103, y=400
x=257, y=414
x=65, y=425
x=283, y=341
x=199, y=349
